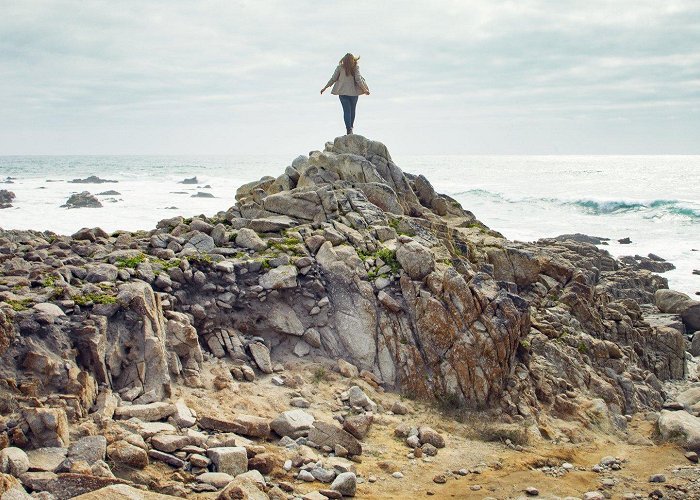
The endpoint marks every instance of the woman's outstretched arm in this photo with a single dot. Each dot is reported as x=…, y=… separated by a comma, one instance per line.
x=333, y=79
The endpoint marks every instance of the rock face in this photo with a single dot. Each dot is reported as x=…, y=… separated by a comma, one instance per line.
x=342, y=257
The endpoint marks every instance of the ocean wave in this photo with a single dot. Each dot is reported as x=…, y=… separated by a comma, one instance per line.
x=646, y=208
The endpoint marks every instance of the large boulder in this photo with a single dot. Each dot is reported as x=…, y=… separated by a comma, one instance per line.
x=13, y=461
x=682, y=427
x=325, y=434
x=415, y=259
x=292, y=423
x=670, y=301
x=280, y=277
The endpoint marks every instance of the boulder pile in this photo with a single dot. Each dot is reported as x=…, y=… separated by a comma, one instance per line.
x=343, y=257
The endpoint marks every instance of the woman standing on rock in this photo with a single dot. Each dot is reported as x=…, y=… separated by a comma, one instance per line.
x=349, y=85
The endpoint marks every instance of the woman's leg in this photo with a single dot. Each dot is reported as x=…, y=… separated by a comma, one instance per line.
x=353, y=105
x=347, y=112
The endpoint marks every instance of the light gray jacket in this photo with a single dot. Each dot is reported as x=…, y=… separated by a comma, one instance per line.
x=347, y=84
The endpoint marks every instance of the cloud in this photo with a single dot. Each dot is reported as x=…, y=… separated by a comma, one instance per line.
x=78, y=71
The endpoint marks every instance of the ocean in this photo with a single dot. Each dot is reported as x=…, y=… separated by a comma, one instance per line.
x=652, y=200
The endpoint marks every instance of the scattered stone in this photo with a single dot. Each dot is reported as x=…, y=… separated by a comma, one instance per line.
x=230, y=459
x=440, y=479
x=124, y=453
x=347, y=369
x=216, y=479
x=657, y=478
x=532, y=491
x=151, y=412
x=325, y=434
x=293, y=423
x=397, y=475
x=261, y=356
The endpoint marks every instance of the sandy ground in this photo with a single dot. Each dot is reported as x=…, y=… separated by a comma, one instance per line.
x=500, y=471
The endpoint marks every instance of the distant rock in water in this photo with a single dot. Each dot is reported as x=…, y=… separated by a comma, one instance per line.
x=203, y=195
x=582, y=238
x=93, y=179
x=208, y=186
x=170, y=208
x=7, y=180
x=6, y=198
x=624, y=241
x=82, y=200
x=653, y=263
x=111, y=192
x=178, y=192
x=191, y=180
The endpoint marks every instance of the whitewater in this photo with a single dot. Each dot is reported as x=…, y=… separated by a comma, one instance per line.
x=652, y=200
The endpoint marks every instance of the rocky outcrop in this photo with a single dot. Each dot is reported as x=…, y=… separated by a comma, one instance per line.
x=344, y=258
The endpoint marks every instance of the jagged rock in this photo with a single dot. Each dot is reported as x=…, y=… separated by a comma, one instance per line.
x=199, y=242
x=169, y=459
x=231, y=460
x=345, y=484
x=292, y=423
x=325, y=434
x=183, y=415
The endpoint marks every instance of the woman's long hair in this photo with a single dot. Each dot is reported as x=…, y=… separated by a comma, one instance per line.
x=349, y=63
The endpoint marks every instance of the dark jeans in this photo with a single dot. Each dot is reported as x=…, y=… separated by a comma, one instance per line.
x=349, y=103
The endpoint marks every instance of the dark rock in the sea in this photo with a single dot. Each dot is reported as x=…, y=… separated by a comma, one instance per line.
x=6, y=197
x=82, y=200
x=624, y=241
x=93, y=179
x=111, y=192
x=202, y=195
x=655, y=264
x=582, y=238
x=178, y=192
x=208, y=186
x=191, y=180
x=8, y=180
x=170, y=208
x=696, y=271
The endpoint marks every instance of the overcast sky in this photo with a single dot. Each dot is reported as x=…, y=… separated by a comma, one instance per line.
x=447, y=77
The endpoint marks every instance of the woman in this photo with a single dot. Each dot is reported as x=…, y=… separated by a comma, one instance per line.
x=349, y=84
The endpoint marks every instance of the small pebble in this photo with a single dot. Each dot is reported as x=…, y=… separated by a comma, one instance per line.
x=532, y=491
x=397, y=475
x=475, y=487
x=657, y=478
